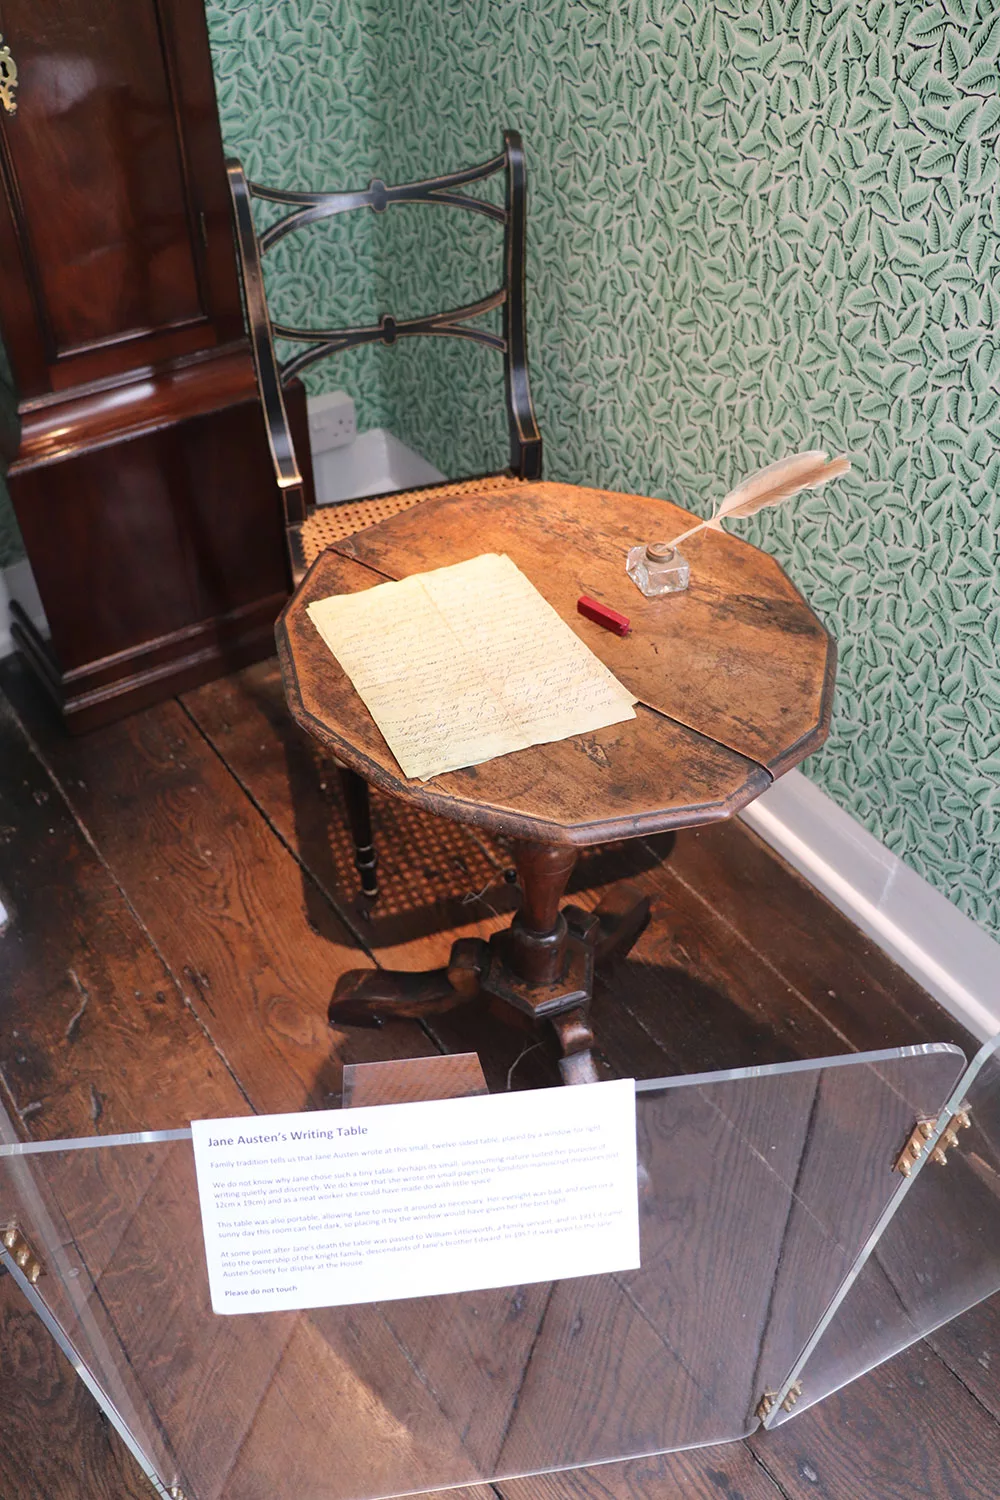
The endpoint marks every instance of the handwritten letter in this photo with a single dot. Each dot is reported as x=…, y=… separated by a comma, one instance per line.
x=466, y=663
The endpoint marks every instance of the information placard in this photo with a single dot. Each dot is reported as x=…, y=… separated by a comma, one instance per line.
x=407, y=1200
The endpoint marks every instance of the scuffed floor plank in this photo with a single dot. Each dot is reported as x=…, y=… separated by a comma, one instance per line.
x=96, y=1036
x=437, y=880
x=54, y=1445
x=702, y=992
x=834, y=966
x=256, y=946
x=970, y=1346
x=726, y=1472
x=907, y=1431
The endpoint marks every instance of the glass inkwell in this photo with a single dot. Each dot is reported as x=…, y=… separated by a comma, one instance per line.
x=657, y=568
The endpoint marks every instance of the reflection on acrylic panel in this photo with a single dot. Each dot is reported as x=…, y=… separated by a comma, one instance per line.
x=937, y=1254
x=757, y=1190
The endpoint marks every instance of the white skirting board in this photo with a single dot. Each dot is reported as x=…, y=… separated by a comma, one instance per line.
x=954, y=959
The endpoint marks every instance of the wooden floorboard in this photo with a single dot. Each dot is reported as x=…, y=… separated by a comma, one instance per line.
x=54, y=1445
x=726, y=1472
x=96, y=1035
x=256, y=946
x=183, y=899
x=95, y=1038
x=826, y=960
x=708, y=997
x=431, y=872
x=970, y=1346
x=906, y=1431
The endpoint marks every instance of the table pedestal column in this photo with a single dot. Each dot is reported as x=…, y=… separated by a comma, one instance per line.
x=540, y=968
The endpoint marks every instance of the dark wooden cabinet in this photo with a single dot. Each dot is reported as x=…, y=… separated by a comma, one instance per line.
x=143, y=483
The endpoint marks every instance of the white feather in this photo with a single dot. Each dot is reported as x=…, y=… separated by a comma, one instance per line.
x=771, y=486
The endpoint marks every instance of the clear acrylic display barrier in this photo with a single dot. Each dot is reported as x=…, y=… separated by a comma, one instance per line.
x=934, y=1253
x=758, y=1189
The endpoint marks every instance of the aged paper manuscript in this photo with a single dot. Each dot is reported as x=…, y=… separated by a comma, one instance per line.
x=465, y=663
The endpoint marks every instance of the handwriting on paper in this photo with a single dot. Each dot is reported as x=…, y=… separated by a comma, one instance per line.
x=465, y=663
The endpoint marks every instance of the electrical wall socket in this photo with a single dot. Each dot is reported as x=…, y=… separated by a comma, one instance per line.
x=332, y=421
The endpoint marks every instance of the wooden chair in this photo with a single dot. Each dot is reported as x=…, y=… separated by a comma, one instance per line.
x=310, y=529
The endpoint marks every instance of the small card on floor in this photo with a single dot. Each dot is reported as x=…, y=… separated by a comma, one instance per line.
x=334, y=1207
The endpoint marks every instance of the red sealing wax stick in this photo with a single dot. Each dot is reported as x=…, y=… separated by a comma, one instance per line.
x=602, y=615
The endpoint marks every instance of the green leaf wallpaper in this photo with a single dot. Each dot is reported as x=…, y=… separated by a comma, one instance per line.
x=297, y=92
x=755, y=230
x=752, y=230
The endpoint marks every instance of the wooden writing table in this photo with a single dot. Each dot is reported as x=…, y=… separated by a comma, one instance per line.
x=734, y=679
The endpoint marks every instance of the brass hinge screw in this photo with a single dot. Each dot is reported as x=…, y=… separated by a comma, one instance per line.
x=960, y=1121
x=793, y=1395
x=769, y=1401
x=21, y=1253
x=921, y=1134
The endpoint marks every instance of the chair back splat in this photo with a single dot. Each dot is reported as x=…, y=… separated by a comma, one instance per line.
x=320, y=343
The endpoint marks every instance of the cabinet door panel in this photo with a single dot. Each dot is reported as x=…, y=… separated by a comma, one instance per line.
x=114, y=254
x=155, y=535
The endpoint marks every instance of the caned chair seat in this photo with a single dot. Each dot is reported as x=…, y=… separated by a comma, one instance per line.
x=328, y=524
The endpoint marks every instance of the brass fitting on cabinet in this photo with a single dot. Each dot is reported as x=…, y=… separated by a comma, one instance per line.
x=8, y=78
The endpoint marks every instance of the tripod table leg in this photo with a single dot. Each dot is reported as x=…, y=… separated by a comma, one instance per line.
x=367, y=997
x=576, y=1039
x=621, y=917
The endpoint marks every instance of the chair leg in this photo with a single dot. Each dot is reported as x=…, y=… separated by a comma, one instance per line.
x=359, y=815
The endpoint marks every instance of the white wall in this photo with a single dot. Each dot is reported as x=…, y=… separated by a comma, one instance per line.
x=17, y=582
x=955, y=961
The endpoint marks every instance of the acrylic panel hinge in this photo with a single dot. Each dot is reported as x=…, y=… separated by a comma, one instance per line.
x=922, y=1132
x=19, y=1249
x=769, y=1400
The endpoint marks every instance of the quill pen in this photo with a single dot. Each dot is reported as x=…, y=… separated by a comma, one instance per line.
x=770, y=486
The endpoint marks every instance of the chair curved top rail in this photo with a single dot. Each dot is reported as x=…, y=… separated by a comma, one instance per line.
x=310, y=208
